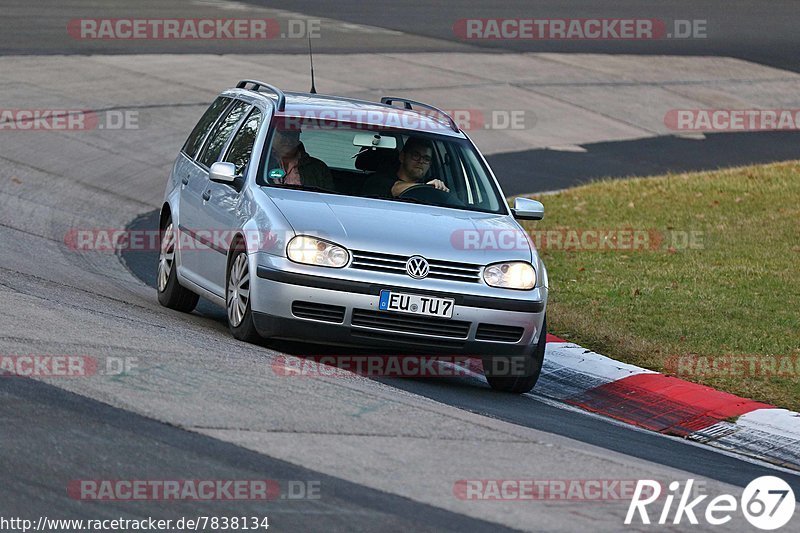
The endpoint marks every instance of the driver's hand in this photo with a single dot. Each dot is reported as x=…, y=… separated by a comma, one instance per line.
x=439, y=184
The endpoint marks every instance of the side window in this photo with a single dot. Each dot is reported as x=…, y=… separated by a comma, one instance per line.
x=221, y=134
x=208, y=119
x=242, y=145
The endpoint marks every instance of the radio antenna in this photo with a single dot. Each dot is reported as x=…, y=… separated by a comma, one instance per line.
x=311, y=57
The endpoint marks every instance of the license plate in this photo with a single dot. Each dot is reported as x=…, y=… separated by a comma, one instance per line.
x=416, y=304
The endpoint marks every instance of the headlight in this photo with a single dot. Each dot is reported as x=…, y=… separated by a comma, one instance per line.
x=513, y=275
x=311, y=251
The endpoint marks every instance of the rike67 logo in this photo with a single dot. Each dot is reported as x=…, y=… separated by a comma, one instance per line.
x=767, y=503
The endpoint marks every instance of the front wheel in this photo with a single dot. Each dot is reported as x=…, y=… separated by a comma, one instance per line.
x=237, y=299
x=517, y=373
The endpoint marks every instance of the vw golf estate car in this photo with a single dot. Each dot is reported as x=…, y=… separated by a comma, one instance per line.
x=330, y=245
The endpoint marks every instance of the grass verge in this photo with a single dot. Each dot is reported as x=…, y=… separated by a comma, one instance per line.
x=695, y=275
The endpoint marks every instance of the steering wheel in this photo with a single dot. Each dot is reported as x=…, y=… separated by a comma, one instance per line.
x=431, y=195
x=417, y=186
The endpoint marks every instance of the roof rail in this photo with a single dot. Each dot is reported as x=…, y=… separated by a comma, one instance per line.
x=408, y=103
x=257, y=85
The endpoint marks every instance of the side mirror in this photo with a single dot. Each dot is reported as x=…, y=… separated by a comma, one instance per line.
x=222, y=173
x=527, y=209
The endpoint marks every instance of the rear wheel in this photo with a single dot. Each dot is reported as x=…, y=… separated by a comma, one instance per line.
x=237, y=298
x=517, y=373
x=170, y=293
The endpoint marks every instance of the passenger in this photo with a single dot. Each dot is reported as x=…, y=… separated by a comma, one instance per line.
x=415, y=161
x=289, y=154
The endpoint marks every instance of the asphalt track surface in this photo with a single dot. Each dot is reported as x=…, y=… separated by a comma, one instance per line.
x=192, y=417
x=554, y=169
x=51, y=435
x=763, y=32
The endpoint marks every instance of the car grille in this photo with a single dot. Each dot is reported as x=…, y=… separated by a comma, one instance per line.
x=316, y=311
x=441, y=327
x=430, y=343
x=396, y=264
x=497, y=332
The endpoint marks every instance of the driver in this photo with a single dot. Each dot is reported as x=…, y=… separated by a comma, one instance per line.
x=415, y=161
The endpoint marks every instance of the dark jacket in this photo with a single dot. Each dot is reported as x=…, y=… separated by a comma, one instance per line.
x=379, y=184
x=313, y=172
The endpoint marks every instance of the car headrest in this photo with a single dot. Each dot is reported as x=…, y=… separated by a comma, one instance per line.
x=377, y=159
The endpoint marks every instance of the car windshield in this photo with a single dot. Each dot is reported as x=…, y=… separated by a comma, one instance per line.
x=393, y=165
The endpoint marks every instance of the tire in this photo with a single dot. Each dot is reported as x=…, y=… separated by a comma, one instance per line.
x=170, y=293
x=532, y=365
x=237, y=297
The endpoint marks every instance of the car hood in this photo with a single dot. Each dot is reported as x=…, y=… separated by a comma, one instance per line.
x=400, y=228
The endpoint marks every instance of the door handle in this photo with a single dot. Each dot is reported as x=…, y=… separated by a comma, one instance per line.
x=185, y=180
x=207, y=195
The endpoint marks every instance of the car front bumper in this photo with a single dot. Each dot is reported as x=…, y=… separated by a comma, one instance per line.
x=295, y=305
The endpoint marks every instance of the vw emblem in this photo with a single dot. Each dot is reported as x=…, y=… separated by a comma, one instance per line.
x=417, y=267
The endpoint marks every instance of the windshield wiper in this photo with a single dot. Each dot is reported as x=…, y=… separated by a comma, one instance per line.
x=411, y=201
x=395, y=199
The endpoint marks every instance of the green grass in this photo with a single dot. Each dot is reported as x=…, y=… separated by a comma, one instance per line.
x=736, y=294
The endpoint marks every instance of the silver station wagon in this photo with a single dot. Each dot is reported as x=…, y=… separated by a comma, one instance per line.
x=347, y=222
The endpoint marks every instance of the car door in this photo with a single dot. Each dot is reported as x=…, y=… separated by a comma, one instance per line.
x=210, y=250
x=222, y=212
x=192, y=187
